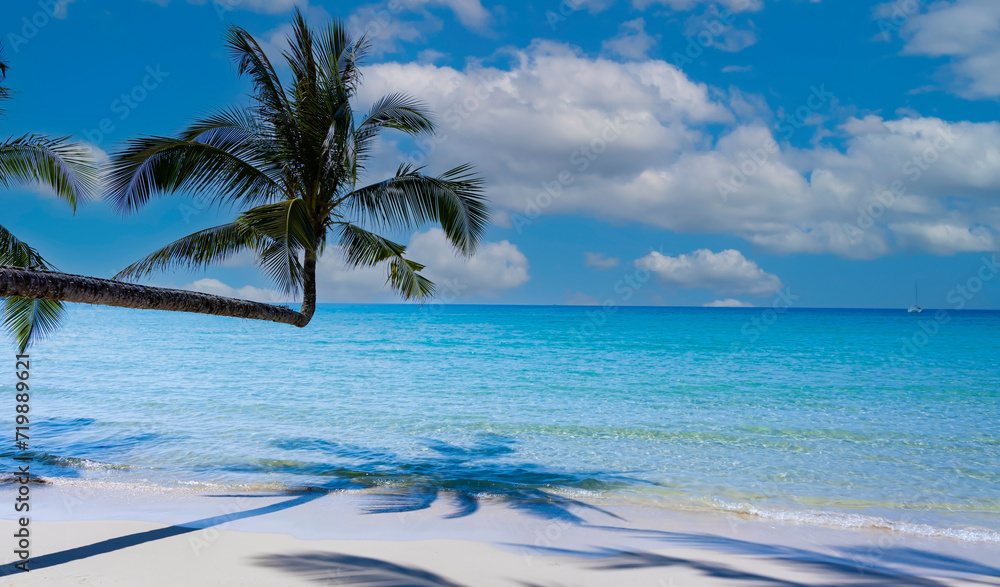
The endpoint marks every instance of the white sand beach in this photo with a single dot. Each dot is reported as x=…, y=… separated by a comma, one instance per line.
x=127, y=536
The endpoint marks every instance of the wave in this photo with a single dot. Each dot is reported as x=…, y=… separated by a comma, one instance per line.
x=860, y=521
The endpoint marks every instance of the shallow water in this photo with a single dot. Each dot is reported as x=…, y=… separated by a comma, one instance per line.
x=842, y=417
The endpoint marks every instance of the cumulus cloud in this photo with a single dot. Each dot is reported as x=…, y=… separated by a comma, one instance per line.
x=496, y=267
x=966, y=31
x=599, y=261
x=728, y=303
x=557, y=132
x=248, y=292
x=727, y=271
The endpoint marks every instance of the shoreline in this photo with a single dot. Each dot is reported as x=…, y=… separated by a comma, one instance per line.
x=897, y=520
x=253, y=538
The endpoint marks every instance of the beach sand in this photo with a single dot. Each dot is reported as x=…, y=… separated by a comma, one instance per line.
x=122, y=535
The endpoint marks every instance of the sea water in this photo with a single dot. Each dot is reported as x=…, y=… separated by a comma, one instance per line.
x=868, y=418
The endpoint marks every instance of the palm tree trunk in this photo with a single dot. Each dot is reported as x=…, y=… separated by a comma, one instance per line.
x=48, y=285
x=308, y=286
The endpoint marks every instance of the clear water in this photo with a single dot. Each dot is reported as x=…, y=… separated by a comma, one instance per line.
x=810, y=415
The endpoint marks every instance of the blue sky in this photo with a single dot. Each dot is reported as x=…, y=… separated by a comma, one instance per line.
x=677, y=152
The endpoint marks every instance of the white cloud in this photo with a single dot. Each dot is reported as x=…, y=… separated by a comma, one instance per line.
x=727, y=271
x=389, y=24
x=942, y=238
x=967, y=31
x=599, y=261
x=736, y=68
x=495, y=268
x=632, y=41
x=560, y=133
x=728, y=303
x=248, y=292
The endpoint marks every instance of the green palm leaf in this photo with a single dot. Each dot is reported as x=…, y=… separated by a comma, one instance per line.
x=288, y=227
x=65, y=167
x=196, y=251
x=455, y=200
x=17, y=253
x=228, y=165
x=362, y=248
x=29, y=320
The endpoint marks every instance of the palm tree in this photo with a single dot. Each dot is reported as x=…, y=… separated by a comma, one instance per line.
x=291, y=163
x=68, y=170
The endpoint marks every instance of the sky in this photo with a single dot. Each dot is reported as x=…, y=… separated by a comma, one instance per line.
x=643, y=152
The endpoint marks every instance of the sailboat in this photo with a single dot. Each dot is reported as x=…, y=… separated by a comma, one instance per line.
x=915, y=308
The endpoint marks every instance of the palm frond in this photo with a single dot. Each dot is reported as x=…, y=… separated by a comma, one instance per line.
x=17, y=253
x=288, y=227
x=251, y=60
x=366, y=249
x=65, y=167
x=196, y=251
x=455, y=199
x=29, y=320
x=4, y=91
x=232, y=166
x=340, y=55
x=405, y=279
x=400, y=112
x=362, y=248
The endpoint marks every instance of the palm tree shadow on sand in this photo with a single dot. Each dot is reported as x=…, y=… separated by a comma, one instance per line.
x=465, y=475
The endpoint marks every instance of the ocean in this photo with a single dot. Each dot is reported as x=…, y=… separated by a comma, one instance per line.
x=857, y=418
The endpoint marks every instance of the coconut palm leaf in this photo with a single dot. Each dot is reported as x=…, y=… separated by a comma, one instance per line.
x=196, y=251
x=29, y=320
x=64, y=167
x=226, y=165
x=16, y=253
x=455, y=200
x=288, y=227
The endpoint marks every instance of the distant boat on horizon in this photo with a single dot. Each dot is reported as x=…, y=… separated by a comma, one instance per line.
x=915, y=308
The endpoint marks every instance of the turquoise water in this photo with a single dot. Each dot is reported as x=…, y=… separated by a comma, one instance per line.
x=845, y=417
